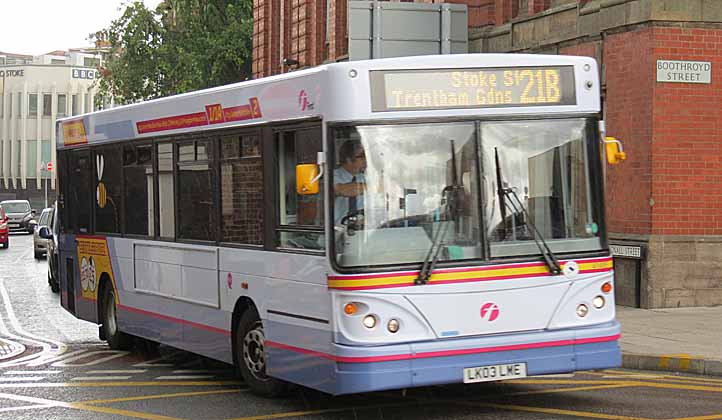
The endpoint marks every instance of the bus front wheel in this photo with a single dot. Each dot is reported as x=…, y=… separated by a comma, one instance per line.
x=251, y=356
x=117, y=340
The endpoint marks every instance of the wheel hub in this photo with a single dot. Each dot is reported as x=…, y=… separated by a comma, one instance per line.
x=254, y=355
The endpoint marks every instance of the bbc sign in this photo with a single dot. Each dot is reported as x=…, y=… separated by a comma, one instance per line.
x=89, y=74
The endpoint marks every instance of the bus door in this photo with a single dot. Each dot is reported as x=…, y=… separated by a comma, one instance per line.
x=76, y=194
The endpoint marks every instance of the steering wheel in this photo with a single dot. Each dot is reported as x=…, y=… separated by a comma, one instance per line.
x=350, y=220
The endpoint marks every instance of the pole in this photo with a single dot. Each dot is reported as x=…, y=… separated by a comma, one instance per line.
x=46, y=192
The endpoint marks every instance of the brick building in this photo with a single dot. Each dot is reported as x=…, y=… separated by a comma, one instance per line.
x=666, y=197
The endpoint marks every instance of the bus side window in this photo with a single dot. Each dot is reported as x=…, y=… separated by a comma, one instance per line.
x=107, y=187
x=300, y=216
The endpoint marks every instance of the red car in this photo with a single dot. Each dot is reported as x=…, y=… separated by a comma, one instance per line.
x=4, y=240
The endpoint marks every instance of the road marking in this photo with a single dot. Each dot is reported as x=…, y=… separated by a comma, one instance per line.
x=22, y=378
x=26, y=407
x=113, y=354
x=32, y=372
x=118, y=384
x=183, y=377
x=640, y=376
x=529, y=409
x=666, y=377
x=200, y=371
x=681, y=386
x=710, y=417
x=152, y=397
x=85, y=407
x=330, y=410
x=101, y=378
x=559, y=390
x=556, y=375
x=152, y=362
x=116, y=372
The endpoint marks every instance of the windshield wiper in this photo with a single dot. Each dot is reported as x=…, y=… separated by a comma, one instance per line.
x=450, y=193
x=549, y=258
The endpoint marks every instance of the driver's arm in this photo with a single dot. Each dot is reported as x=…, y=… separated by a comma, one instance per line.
x=352, y=189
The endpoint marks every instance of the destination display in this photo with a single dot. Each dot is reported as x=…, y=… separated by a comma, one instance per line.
x=472, y=88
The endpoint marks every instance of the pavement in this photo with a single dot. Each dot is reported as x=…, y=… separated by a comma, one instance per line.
x=682, y=340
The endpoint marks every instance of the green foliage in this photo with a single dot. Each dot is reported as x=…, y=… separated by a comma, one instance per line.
x=183, y=45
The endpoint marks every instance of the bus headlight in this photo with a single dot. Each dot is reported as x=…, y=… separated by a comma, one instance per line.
x=582, y=310
x=598, y=302
x=393, y=325
x=369, y=321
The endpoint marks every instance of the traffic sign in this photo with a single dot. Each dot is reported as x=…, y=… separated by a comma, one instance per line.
x=49, y=166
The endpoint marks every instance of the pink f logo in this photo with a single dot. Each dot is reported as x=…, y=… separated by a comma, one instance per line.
x=302, y=100
x=489, y=311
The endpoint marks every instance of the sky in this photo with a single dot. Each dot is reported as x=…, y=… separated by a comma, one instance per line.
x=36, y=27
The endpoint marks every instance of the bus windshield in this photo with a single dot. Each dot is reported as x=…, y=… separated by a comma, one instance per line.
x=400, y=191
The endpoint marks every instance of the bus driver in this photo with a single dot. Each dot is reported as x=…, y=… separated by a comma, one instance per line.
x=349, y=180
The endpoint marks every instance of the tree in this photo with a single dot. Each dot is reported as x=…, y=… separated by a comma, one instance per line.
x=183, y=45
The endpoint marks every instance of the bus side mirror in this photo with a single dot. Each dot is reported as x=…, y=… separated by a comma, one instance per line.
x=614, y=151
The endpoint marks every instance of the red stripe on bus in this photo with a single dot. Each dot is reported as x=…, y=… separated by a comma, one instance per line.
x=443, y=353
x=176, y=320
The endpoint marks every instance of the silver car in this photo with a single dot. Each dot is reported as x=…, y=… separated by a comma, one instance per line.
x=40, y=244
x=20, y=215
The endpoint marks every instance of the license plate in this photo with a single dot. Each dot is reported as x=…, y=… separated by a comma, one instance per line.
x=494, y=373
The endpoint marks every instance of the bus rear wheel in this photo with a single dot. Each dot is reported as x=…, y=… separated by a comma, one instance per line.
x=251, y=356
x=117, y=340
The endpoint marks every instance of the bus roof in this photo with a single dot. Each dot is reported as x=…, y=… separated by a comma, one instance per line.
x=440, y=86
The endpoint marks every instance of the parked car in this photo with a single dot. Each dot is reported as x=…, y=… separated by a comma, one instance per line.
x=20, y=215
x=4, y=234
x=50, y=233
x=40, y=245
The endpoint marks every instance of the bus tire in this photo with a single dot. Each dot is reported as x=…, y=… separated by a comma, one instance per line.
x=117, y=340
x=251, y=356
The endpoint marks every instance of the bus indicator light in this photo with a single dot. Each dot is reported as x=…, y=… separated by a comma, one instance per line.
x=607, y=287
x=350, y=309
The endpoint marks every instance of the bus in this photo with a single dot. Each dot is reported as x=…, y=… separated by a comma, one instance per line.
x=352, y=227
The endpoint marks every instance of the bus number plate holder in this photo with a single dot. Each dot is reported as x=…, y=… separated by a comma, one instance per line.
x=494, y=373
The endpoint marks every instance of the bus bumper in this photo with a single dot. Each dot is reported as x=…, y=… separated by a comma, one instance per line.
x=342, y=369
x=443, y=362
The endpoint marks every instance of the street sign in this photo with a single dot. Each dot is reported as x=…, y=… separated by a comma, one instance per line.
x=49, y=166
x=626, y=251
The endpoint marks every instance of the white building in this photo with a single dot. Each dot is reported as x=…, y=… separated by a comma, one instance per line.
x=34, y=92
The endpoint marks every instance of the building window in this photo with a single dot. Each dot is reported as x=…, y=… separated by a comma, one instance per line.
x=62, y=105
x=47, y=104
x=108, y=191
x=20, y=105
x=57, y=61
x=166, y=195
x=33, y=105
x=196, y=179
x=241, y=189
x=86, y=106
x=138, y=177
x=2, y=105
x=74, y=105
x=90, y=62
